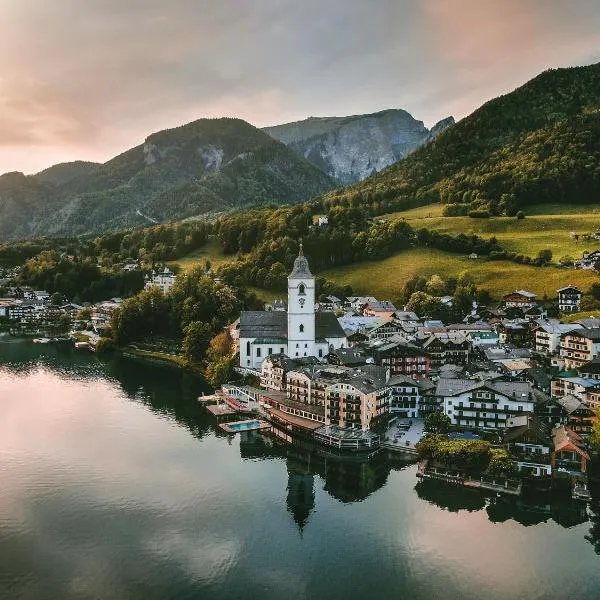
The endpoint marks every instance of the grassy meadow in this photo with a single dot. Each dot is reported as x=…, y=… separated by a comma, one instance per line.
x=544, y=229
x=211, y=251
x=385, y=278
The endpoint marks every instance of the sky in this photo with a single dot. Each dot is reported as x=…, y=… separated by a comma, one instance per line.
x=87, y=79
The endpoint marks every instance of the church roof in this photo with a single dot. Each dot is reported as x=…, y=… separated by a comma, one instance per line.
x=273, y=325
x=301, y=269
x=263, y=324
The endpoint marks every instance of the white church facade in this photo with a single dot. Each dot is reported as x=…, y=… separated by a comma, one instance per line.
x=299, y=332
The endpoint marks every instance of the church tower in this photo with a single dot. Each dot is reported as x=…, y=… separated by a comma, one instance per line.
x=301, y=309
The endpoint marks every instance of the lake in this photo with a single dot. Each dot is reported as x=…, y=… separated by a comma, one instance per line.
x=116, y=483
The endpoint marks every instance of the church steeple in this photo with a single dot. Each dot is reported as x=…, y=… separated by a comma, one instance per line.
x=301, y=268
x=301, y=308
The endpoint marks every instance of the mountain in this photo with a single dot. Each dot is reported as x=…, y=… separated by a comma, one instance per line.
x=539, y=143
x=207, y=166
x=352, y=148
x=65, y=172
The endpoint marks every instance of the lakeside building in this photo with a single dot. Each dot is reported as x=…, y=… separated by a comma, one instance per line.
x=299, y=332
x=484, y=404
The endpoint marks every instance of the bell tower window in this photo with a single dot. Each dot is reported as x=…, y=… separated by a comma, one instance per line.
x=301, y=290
x=301, y=328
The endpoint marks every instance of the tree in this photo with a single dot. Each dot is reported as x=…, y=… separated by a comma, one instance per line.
x=595, y=291
x=197, y=337
x=544, y=256
x=64, y=322
x=435, y=286
x=220, y=346
x=56, y=299
x=85, y=314
x=437, y=422
x=423, y=304
x=501, y=465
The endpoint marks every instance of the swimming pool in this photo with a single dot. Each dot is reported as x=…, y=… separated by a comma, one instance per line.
x=238, y=426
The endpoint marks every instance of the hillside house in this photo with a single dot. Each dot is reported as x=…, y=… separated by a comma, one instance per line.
x=569, y=299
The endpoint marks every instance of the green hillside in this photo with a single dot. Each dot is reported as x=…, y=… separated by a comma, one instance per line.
x=536, y=144
x=385, y=278
x=545, y=230
x=208, y=166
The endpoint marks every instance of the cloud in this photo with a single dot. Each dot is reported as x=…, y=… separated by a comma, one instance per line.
x=89, y=79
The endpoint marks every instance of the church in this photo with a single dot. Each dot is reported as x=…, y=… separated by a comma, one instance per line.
x=298, y=332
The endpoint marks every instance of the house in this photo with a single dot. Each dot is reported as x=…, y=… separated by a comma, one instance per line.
x=274, y=370
x=515, y=332
x=404, y=396
x=278, y=305
x=588, y=260
x=296, y=333
x=358, y=303
x=579, y=347
x=580, y=387
x=165, y=280
x=519, y=299
x=347, y=398
x=590, y=370
x=380, y=329
x=569, y=299
x=402, y=358
x=41, y=295
x=408, y=320
x=384, y=309
x=349, y=357
x=484, y=404
x=569, y=453
x=359, y=399
x=580, y=417
x=473, y=256
x=445, y=348
x=548, y=335
x=102, y=312
x=530, y=445
x=5, y=306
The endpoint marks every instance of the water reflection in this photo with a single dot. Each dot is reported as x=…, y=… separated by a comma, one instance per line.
x=115, y=502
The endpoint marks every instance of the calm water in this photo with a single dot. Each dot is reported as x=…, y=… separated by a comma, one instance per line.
x=114, y=483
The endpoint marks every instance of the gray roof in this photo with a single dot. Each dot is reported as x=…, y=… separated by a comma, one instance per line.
x=454, y=387
x=263, y=324
x=570, y=403
x=301, y=269
x=328, y=326
x=273, y=325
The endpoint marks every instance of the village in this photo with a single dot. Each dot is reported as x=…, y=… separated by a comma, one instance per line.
x=359, y=374
x=377, y=377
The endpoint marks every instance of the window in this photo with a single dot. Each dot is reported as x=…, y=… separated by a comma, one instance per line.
x=320, y=352
x=301, y=328
x=270, y=350
x=281, y=351
x=258, y=353
x=247, y=347
x=301, y=290
x=306, y=345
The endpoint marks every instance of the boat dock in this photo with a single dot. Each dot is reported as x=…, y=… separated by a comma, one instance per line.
x=220, y=410
x=510, y=487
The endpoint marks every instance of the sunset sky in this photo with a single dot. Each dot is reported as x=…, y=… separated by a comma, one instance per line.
x=86, y=79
